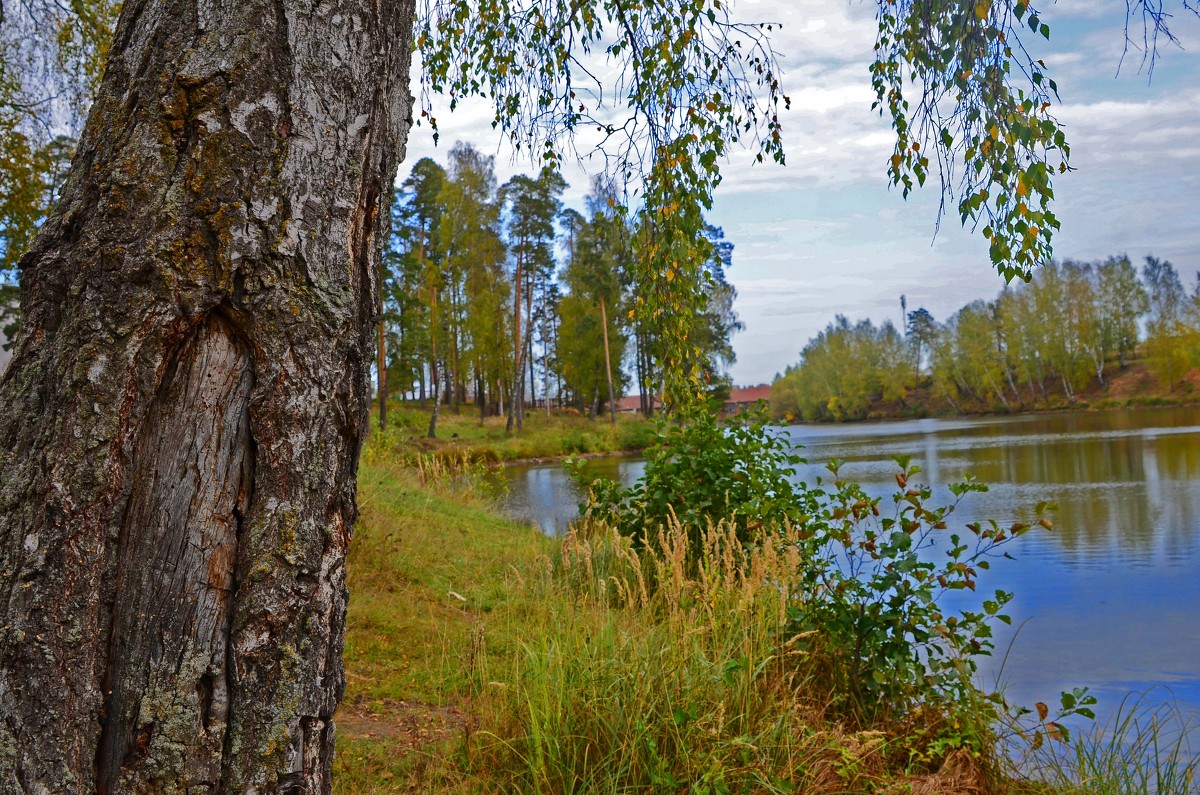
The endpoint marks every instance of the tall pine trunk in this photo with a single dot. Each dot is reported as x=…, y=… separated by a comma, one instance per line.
x=183, y=415
x=612, y=400
x=381, y=365
x=518, y=382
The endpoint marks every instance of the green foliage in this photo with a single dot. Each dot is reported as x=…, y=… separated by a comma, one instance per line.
x=871, y=582
x=474, y=290
x=876, y=590
x=51, y=57
x=716, y=321
x=1120, y=300
x=704, y=471
x=532, y=205
x=968, y=356
x=463, y=436
x=596, y=271
x=28, y=186
x=1173, y=325
x=472, y=285
x=412, y=273
x=1056, y=335
x=693, y=82
x=10, y=313
x=962, y=56
x=842, y=371
x=585, y=665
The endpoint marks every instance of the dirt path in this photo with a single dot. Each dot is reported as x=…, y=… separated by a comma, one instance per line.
x=408, y=725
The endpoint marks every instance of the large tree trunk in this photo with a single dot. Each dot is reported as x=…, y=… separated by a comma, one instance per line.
x=183, y=415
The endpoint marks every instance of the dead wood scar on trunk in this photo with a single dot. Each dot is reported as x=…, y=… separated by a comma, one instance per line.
x=167, y=684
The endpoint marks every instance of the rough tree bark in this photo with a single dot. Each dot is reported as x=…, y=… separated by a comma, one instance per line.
x=182, y=418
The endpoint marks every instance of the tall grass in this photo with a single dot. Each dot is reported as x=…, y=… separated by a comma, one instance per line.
x=1143, y=749
x=667, y=669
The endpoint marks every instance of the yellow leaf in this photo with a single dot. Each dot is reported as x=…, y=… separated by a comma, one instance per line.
x=1042, y=710
x=896, y=161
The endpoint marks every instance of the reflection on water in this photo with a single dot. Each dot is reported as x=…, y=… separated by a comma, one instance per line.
x=1110, y=599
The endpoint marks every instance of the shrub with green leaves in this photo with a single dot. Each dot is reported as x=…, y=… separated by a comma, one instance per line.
x=875, y=592
x=875, y=573
x=704, y=471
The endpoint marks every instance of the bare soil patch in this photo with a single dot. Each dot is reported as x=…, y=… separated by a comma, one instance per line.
x=406, y=725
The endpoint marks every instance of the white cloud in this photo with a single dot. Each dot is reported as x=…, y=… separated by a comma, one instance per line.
x=1086, y=9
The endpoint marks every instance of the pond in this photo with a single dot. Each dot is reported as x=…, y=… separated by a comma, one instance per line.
x=1110, y=599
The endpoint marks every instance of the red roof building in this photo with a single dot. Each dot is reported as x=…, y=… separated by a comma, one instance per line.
x=744, y=398
x=632, y=403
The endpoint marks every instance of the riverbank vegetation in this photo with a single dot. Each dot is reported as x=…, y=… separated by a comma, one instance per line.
x=465, y=438
x=1078, y=335
x=803, y=651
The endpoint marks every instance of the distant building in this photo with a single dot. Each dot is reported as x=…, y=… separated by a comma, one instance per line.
x=745, y=397
x=738, y=400
x=633, y=403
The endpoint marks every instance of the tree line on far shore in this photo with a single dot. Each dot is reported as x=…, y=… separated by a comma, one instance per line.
x=500, y=297
x=1065, y=330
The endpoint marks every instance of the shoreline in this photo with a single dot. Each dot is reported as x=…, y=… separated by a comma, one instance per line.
x=553, y=459
x=1157, y=402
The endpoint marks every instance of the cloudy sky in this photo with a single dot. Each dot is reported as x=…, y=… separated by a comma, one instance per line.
x=824, y=235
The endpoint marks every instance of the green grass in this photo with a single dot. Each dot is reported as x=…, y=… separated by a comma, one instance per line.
x=1143, y=749
x=434, y=574
x=429, y=564
x=463, y=435
x=585, y=667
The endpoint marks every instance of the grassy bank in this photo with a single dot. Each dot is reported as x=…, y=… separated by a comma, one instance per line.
x=434, y=577
x=484, y=657
x=464, y=436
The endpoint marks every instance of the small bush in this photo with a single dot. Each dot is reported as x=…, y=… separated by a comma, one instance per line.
x=703, y=471
x=875, y=583
x=574, y=441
